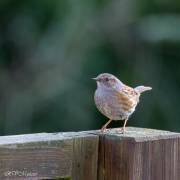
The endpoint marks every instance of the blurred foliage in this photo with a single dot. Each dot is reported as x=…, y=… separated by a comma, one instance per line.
x=50, y=50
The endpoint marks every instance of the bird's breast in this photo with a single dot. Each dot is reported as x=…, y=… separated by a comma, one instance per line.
x=113, y=104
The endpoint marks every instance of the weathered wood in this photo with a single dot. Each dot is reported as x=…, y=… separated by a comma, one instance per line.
x=139, y=154
x=49, y=156
x=85, y=159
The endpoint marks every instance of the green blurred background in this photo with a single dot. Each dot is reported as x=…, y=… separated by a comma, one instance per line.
x=50, y=50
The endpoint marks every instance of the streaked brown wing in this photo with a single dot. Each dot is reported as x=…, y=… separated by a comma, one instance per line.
x=129, y=91
x=128, y=98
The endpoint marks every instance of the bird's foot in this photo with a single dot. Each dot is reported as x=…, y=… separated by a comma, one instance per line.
x=104, y=130
x=120, y=130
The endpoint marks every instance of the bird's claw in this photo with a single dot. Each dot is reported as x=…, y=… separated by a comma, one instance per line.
x=104, y=130
x=120, y=130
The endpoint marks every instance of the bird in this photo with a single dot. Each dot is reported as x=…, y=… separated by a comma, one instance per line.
x=115, y=100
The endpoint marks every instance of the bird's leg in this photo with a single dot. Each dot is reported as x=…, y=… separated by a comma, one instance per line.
x=122, y=130
x=103, y=129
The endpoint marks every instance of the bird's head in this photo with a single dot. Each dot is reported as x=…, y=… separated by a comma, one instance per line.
x=107, y=80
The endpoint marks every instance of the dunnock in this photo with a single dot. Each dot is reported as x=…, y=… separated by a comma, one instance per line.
x=116, y=100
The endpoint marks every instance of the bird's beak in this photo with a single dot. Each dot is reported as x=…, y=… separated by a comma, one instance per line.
x=96, y=79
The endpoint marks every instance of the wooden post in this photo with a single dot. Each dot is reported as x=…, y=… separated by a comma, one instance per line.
x=139, y=154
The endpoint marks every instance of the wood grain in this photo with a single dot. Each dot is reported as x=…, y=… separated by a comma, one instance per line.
x=48, y=156
x=139, y=154
x=85, y=158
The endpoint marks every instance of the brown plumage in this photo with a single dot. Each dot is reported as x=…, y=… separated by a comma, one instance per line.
x=116, y=100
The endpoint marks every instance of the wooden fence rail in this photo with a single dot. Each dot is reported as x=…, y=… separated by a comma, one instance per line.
x=139, y=154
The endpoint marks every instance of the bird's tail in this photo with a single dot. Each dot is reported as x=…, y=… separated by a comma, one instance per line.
x=141, y=89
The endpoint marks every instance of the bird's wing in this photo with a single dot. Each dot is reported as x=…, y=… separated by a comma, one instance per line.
x=129, y=91
x=128, y=97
